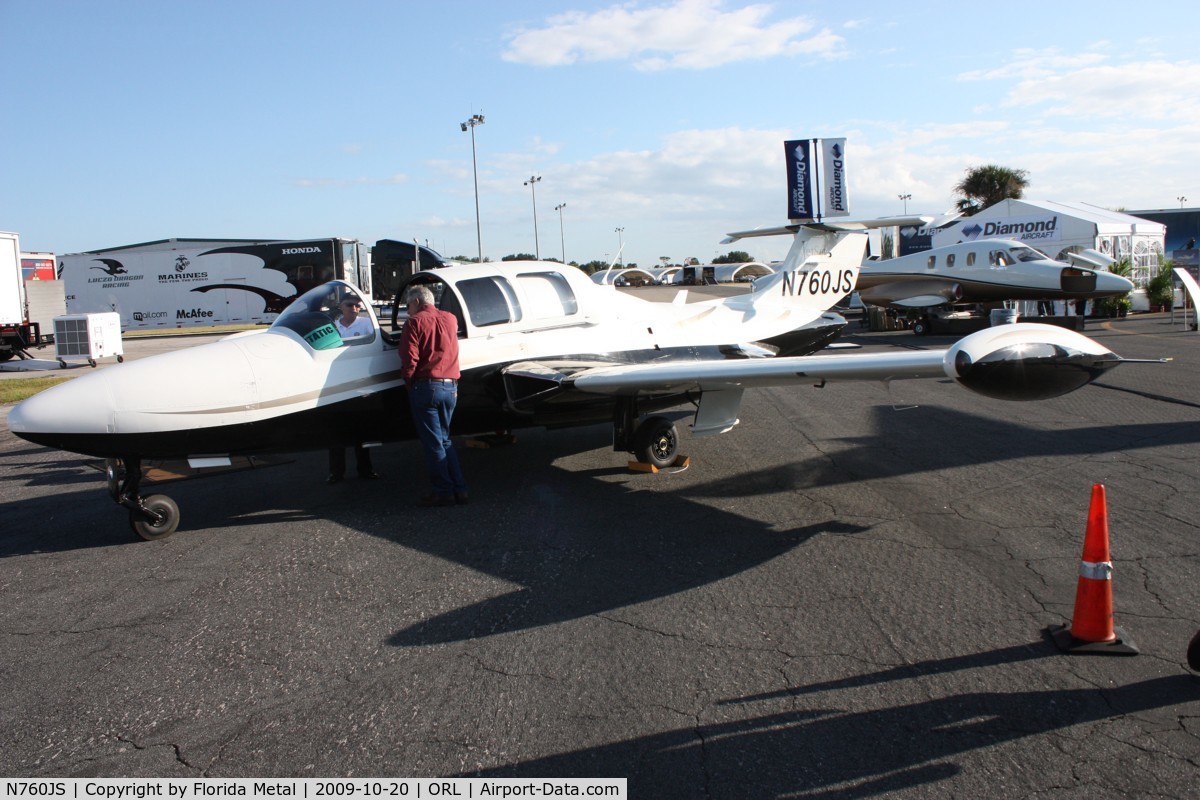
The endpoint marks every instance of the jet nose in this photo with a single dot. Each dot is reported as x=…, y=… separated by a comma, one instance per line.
x=81, y=405
x=1110, y=284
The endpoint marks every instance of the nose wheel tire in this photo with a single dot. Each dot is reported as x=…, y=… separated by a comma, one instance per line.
x=656, y=442
x=160, y=506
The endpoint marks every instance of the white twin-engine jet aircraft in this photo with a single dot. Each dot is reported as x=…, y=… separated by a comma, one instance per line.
x=541, y=345
x=982, y=271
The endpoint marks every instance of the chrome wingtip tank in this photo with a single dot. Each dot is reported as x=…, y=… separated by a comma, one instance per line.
x=1027, y=361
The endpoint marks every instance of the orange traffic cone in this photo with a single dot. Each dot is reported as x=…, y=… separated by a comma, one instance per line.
x=1091, y=629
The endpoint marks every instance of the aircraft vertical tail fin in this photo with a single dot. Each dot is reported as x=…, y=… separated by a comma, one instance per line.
x=819, y=270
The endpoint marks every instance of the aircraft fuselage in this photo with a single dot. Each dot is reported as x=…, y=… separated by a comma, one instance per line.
x=983, y=271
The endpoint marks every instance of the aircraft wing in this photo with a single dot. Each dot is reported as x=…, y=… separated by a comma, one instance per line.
x=1012, y=362
x=683, y=376
x=718, y=385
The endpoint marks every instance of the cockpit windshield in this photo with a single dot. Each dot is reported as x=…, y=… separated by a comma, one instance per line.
x=1022, y=253
x=331, y=315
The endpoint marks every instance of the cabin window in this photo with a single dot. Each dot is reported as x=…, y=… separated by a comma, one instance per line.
x=949, y=260
x=489, y=301
x=971, y=258
x=548, y=295
x=932, y=263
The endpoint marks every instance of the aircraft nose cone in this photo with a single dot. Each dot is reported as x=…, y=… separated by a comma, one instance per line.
x=81, y=405
x=1108, y=283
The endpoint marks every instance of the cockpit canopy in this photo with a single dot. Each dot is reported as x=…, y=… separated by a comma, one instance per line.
x=1021, y=252
x=312, y=316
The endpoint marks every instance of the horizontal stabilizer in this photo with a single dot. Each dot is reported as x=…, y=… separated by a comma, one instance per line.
x=847, y=226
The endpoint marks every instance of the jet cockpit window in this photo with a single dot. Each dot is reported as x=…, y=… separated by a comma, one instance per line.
x=320, y=318
x=548, y=295
x=489, y=301
x=999, y=258
x=1026, y=254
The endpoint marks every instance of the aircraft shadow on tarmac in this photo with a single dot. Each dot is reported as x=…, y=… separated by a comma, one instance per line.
x=834, y=752
x=579, y=545
x=640, y=545
x=23, y=467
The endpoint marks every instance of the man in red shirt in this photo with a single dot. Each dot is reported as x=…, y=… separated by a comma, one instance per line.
x=429, y=364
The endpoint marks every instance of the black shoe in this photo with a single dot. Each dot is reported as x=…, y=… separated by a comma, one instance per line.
x=369, y=476
x=332, y=479
x=433, y=500
x=461, y=499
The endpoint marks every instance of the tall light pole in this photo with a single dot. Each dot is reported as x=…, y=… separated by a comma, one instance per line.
x=905, y=198
x=620, y=242
x=476, y=119
x=531, y=183
x=561, y=237
x=1181, y=200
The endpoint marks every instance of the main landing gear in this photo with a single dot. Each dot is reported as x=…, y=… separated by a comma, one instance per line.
x=153, y=517
x=653, y=441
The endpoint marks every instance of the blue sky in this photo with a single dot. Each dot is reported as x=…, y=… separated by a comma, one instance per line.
x=133, y=121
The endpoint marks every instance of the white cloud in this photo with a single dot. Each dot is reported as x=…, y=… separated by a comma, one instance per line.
x=1126, y=93
x=1033, y=64
x=688, y=34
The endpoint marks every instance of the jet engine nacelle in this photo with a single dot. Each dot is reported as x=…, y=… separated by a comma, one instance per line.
x=1027, y=361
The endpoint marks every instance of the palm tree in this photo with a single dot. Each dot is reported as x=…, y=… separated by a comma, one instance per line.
x=988, y=185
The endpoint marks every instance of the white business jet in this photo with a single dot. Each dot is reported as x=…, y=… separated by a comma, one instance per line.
x=541, y=345
x=982, y=271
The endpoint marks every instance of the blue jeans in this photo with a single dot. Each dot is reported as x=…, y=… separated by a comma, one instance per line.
x=432, y=404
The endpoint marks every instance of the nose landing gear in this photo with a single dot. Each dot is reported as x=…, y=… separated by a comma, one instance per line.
x=153, y=517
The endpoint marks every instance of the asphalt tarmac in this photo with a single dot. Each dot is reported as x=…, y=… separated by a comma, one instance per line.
x=845, y=596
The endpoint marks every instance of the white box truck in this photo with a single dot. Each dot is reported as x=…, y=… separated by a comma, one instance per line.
x=17, y=333
x=176, y=283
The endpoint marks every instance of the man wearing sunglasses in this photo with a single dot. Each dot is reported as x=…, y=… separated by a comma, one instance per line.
x=350, y=324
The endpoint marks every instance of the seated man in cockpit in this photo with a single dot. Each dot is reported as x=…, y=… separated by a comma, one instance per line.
x=350, y=324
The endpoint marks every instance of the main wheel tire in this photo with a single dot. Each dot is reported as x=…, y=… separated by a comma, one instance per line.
x=1193, y=652
x=920, y=327
x=150, y=530
x=656, y=442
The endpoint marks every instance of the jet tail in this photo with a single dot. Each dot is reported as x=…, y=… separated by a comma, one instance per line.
x=822, y=265
x=819, y=270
